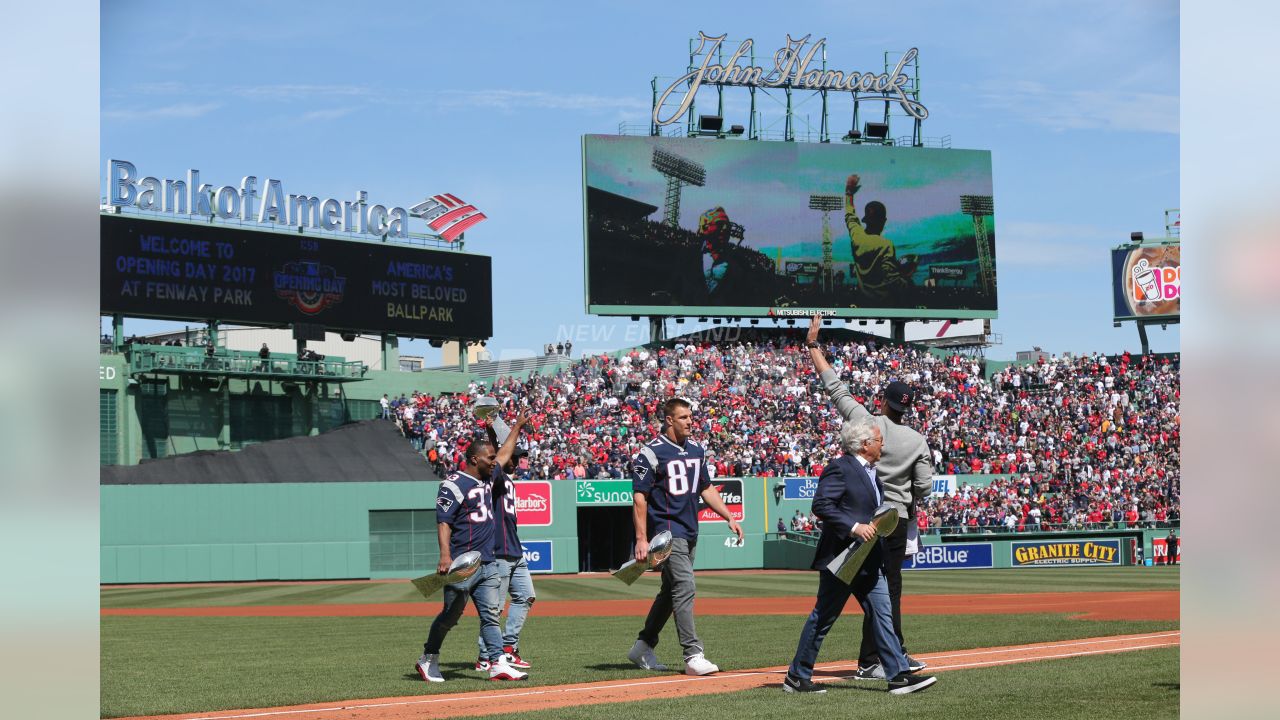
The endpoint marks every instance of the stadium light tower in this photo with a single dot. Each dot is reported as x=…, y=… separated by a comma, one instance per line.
x=826, y=204
x=678, y=171
x=979, y=207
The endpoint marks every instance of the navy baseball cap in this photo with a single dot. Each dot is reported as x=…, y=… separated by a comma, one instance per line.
x=518, y=453
x=899, y=395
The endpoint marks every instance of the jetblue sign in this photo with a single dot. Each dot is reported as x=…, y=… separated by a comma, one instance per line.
x=800, y=488
x=538, y=555
x=950, y=556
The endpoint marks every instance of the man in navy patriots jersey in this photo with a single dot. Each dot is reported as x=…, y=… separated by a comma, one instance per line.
x=465, y=522
x=667, y=478
x=512, y=568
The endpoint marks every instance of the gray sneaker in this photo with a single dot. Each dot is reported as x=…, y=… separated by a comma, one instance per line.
x=642, y=655
x=914, y=665
x=874, y=671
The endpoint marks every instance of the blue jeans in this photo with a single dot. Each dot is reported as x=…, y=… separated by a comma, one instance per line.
x=873, y=595
x=482, y=588
x=514, y=576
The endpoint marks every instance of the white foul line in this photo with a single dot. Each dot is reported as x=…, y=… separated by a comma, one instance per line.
x=834, y=666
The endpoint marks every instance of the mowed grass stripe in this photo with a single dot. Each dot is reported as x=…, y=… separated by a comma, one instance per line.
x=153, y=665
x=1138, y=684
x=710, y=584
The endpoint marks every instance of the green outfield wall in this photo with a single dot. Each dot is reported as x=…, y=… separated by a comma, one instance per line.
x=339, y=530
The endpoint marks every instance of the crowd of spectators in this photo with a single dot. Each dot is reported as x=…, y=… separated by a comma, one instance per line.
x=1081, y=441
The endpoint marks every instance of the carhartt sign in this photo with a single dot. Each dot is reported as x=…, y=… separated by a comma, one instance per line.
x=791, y=68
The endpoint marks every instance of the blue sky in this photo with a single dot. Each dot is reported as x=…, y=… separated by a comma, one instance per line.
x=1077, y=102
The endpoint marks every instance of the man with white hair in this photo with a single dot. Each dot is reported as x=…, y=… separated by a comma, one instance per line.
x=906, y=473
x=846, y=499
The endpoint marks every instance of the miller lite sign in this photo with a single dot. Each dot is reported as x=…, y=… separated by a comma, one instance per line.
x=731, y=492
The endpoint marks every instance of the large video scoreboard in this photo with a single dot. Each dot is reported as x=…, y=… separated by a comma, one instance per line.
x=189, y=271
x=710, y=226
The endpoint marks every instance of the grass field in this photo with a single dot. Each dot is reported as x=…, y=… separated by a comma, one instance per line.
x=710, y=584
x=1129, y=685
x=187, y=664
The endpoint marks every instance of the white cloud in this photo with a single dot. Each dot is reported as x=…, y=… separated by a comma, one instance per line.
x=523, y=99
x=299, y=92
x=1035, y=244
x=1087, y=109
x=330, y=114
x=179, y=110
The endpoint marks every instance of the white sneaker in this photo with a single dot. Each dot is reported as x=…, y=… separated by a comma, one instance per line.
x=500, y=670
x=699, y=665
x=429, y=668
x=642, y=655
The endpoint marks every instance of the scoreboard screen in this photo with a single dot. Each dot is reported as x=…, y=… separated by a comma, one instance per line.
x=185, y=271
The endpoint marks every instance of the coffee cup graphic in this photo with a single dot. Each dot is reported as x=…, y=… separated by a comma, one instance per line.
x=1145, y=278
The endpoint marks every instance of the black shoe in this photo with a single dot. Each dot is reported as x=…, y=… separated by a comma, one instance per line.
x=914, y=665
x=790, y=684
x=905, y=683
x=874, y=671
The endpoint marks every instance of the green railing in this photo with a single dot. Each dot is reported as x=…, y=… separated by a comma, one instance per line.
x=196, y=360
x=806, y=538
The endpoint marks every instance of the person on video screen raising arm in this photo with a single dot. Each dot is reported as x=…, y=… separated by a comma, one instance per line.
x=875, y=259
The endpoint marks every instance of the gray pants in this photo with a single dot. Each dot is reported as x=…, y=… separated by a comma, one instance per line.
x=675, y=597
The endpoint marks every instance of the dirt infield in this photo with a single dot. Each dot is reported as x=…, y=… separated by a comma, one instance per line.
x=514, y=699
x=1144, y=605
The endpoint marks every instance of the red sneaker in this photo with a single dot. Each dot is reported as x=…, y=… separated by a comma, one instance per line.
x=513, y=658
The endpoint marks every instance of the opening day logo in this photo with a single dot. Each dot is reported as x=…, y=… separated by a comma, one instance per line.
x=309, y=286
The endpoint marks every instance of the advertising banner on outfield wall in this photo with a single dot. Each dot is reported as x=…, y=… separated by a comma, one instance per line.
x=943, y=485
x=1147, y=282
x=533, y=503
x=731, y=493
x=951, y=557
x=1160, y=551
x=537, y=553
x=604, y=492
x=1065, y=552
x=800, y=488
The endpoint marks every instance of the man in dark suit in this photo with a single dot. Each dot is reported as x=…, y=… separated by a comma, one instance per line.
x=846, y=500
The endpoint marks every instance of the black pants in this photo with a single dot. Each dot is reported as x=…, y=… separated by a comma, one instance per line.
x=895, y=551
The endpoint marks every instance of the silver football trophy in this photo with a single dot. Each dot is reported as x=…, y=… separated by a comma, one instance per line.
x=486, y=406
x=659, y=551
x=847, y=564
x=463, y=567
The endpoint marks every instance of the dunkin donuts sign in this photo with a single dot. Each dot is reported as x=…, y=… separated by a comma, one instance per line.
x=731, y=493
x=533, y=503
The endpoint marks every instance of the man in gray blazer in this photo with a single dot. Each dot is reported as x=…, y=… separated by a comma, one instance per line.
x=905, y=468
